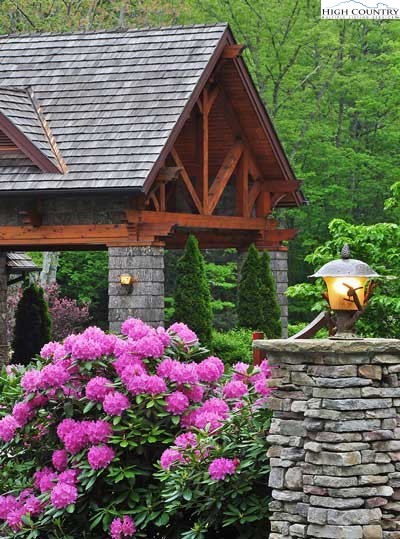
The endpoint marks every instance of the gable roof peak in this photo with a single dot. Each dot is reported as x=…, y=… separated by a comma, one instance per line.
x=22, y=121
x=118, y=30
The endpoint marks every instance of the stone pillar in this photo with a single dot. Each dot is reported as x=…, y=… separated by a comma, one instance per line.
x=334, y=438
x=279, y=268
x=145, y=299
x=3, y=310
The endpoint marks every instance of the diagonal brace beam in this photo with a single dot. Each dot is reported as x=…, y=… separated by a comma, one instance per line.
x=223, y=176
x=186, y=179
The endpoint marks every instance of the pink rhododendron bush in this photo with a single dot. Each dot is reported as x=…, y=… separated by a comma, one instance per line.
x=139, y=435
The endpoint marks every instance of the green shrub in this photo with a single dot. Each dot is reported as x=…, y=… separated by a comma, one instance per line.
x=192, y=293
x=271, y=312
x=233, y=345
x=249, y=306
x=32, y=325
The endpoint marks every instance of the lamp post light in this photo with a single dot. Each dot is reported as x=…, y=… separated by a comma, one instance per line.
x=346, y=281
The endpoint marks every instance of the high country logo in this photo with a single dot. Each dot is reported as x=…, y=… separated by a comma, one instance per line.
x=367, y=9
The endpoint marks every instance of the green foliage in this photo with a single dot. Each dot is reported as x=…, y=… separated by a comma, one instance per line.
x=233, y=345
x=83, y=275
x=379, y=246
x=271, y=313
x=249, y=302
x=192, y=293
x=237, y=506
x=222, y=278
x=32, y=325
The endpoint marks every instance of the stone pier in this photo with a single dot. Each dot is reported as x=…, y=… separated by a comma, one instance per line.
x=145, y=299
x=334, y=441
x=3, y=309
x=279, y=268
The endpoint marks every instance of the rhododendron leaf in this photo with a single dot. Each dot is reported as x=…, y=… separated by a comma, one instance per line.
x=150, y=404
x=68, y=409
x=96, y=520
x=175, y=419
x=26, y=519
x=88, y=407
x=90, y=483
x=70, y=508
x=124, y=443
x=162, y=520
x=187, y=494
x=116, y=420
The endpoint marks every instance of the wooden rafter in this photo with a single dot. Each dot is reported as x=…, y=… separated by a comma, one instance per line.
x=187, y=181
x=223, y=176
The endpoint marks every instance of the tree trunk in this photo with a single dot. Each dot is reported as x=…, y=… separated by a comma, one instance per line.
x=49, y=269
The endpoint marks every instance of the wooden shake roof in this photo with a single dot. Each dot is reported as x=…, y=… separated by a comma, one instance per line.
x=102, y=110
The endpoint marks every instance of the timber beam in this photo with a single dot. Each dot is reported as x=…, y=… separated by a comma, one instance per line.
x=195, y=221
x=232, y=51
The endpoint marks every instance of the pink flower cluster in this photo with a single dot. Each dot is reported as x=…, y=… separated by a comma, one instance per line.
x=100, y=456
x=221, y=467
x=122, y=528
x=12, y=509
x=76, y=435
x=54, y=375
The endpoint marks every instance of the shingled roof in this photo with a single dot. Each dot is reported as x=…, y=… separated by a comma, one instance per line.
x=111, y=99
x=23, y=124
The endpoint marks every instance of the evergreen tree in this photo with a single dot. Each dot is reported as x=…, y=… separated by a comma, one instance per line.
x=192, y=293
x=271, y=312
x=32, y=325
x=249, y=306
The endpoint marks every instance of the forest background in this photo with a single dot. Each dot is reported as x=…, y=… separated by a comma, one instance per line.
x=331, y=88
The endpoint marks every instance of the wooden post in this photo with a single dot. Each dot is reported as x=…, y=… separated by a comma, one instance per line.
x=258, y=355
x=242, y=186
x=205, y=153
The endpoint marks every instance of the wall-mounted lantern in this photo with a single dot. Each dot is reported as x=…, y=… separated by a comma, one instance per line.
x=127, y=281
x=348, y=294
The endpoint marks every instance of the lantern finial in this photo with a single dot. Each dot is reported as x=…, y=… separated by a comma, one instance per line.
x=345, y=253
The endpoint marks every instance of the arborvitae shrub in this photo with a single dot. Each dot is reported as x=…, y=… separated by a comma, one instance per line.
x=32, y=325
x=192, y=293
x=271, y=313
x=249, y=307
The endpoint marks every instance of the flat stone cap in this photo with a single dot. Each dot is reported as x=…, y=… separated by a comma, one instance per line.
x=316, y=346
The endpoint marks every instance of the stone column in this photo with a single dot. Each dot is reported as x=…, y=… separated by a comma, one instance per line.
x=279, y=268
x=145, y=299
x=334, y=438
x=3, y=310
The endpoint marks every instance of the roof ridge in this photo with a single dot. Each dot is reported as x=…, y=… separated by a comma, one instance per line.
x=116, y=30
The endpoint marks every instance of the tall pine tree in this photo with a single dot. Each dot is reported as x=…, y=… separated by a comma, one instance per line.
x=192, y=293
x=32, y=325
x=271, y=312
x=249, y=306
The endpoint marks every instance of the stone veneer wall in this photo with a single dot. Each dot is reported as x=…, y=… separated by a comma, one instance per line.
x=3, y=310
x=334, y=438
x=279, y=268
x=145, y=299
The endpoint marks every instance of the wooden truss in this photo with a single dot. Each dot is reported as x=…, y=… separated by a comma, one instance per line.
x=151, y=220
